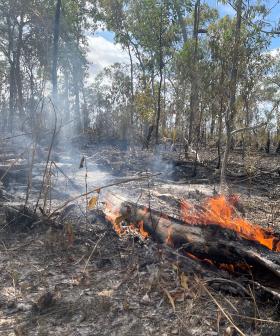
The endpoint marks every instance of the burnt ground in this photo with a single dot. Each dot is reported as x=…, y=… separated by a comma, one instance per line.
x=101, y=284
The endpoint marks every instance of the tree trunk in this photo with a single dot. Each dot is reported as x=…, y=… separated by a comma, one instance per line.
x=32, y=111
x=231, y=111
x=66, y=96
x=131, y=87
x=56, y=32
x=18, y=75
x=220, y=117
x=181, y=20
x=77, y=106
x=161, y=66
x=12, y=86
x=267, y=145
x=86, y=120
x=194, y=111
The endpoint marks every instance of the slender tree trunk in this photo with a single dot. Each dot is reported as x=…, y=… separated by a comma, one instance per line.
x=12, y=94
x=56, y=33
x=86, y=120
x=194, y=110
x=131, y=87
x=66, y=96
x=18, y=75
x=161, y=66
x=12, y=86
x=32, y=115
x=267, y=145
x=213, y=113
x=181, y=20
x=77, y=106
x=231, y=111
x=158, y=106
x=220, y=117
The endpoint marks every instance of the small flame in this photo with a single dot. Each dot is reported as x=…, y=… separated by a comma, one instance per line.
x=220, y=211
x=114, y=216
x=142, y=231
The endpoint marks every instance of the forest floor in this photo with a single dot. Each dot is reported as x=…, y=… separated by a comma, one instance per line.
x=103, y=284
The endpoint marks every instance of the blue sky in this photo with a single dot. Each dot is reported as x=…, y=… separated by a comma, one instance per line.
x=103, y=52
x=273, y=17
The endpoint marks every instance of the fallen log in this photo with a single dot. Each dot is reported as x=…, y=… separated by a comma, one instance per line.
x=210, y=243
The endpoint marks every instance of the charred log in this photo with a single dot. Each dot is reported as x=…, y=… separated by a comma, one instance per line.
x=208, y=242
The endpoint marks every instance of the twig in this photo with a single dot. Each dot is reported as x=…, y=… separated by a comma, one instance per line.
x=229, y=281
x=249, y=128
x=66, y=176
x=100, y=188
x=221, y=309
x=15, y=136
x=94, y=248
x=48, y=159
x=256, y=319
x=29, y=182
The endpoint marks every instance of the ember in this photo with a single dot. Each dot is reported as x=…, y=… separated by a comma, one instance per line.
x=219, y=210
x=114, y=216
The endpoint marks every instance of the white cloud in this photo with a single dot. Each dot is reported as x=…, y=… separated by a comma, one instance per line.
x=103, y=53
x=274, y=52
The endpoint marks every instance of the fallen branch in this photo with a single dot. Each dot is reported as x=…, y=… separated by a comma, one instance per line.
x=100, y=188
x=248, y=128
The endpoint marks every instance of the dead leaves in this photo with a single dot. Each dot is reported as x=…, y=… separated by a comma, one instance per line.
x=170, y=298
x=184, y=281
x=178, y=294
x=93, y=201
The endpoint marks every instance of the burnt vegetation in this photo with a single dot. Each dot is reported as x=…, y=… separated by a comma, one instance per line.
x=140, y=185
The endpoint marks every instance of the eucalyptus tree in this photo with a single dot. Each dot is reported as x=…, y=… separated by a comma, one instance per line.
x=147, y=30
x=109, y=103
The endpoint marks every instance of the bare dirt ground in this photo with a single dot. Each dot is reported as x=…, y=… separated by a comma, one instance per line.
x=102, y=284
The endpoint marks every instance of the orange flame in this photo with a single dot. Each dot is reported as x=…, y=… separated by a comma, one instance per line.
x=113, y=215
x=142, y=231
x=219, y=210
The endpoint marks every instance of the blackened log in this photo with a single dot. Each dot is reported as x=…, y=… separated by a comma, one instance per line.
x=211, y=242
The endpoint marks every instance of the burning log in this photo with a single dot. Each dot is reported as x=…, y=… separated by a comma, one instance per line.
x=212, y=243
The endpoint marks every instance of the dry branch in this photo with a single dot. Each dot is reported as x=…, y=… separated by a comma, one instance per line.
x=113, y=184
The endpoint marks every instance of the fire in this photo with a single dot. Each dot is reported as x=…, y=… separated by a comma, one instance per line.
x=114, y=216
x=220, y=211
x=142, y=231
